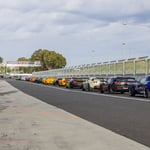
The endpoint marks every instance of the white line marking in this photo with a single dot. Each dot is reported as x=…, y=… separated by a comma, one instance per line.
x=97, y=94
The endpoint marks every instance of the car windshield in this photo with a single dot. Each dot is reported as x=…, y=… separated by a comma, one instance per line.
x=98, y=79
x=126, y=80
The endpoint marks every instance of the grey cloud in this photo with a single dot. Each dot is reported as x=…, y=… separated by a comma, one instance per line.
x=114, y=11
x=74, y=24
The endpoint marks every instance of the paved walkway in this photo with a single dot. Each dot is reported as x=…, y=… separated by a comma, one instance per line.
x=27, y=123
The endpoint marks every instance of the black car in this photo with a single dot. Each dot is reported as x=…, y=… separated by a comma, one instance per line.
x=75, y=83
x=141, y=87
x=56, y=82
x=117, y=84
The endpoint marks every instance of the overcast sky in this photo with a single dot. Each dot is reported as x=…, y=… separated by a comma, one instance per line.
x=84, y=31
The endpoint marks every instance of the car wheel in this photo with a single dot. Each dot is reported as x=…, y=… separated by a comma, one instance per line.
x=110, y=90
x=101, y=91
x=83, y=89
x=131, y=92
x=89, y=89
x=122, y=92
x=71, y=86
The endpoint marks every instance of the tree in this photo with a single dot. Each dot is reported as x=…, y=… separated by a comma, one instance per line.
x=37, y=55
x=49, y=59
x=23, y=59
x=1, y=59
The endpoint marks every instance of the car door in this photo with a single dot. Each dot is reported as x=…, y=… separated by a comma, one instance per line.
x=148, y=83
x=142, y=84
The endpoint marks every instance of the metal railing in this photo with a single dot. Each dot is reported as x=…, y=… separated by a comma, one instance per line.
x=126, y=67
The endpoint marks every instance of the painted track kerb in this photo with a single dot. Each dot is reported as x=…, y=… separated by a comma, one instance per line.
x=97, y=94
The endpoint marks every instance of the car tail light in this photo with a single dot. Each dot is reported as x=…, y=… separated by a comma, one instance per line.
x=74, y=81
x=117, y=82
x=95, y=82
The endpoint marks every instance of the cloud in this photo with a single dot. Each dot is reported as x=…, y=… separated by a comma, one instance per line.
x=79, y=25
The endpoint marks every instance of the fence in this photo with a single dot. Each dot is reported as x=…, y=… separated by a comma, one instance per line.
x=129, y=67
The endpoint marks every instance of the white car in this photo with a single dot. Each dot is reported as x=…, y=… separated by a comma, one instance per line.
x=92, y=83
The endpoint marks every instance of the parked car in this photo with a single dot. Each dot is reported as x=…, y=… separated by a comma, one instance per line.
x=32, y=79
x=92, y=83
x=56, y=81
x=38, y=80
x=49, y=80
x=117, y=84
x=141, y=87
x=60, y=81
x=75, y=83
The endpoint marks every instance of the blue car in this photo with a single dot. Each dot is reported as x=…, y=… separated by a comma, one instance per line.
x=141, y=87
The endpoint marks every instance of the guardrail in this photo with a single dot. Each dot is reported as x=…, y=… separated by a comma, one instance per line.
x=126, y=67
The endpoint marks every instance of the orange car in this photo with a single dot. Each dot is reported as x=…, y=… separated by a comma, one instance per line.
x=32, y=79
x=44, y=80
x=50, y=80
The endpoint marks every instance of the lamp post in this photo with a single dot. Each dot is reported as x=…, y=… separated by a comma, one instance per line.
x=123, y=50
x=93, y=51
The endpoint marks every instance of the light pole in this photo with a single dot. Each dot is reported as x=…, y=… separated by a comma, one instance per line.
x=123, y=50
x=93, y=51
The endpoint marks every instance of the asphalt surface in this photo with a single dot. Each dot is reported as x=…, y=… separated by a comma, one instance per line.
x=119, y=113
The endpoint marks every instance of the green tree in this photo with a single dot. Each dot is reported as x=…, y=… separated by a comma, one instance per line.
x=8, y=70
x=37, y=55
x=23, y=59
x=49, y=59
x=1, y=59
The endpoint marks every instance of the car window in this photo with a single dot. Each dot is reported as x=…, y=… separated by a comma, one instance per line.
x=109, y=80
x=143, y=80
x=120, y=79
x=97, y=79
x=125, y=79
x=131, y=80
x=148, y=78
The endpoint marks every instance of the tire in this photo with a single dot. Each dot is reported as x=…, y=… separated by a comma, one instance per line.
x=110, y=90
x=83, y=89
x=131, y=92
x=70, y=86
x=122, y=92
x=101, y=91
x=89, y=89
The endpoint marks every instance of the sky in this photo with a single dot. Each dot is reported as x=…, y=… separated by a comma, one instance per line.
x=83, y=31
